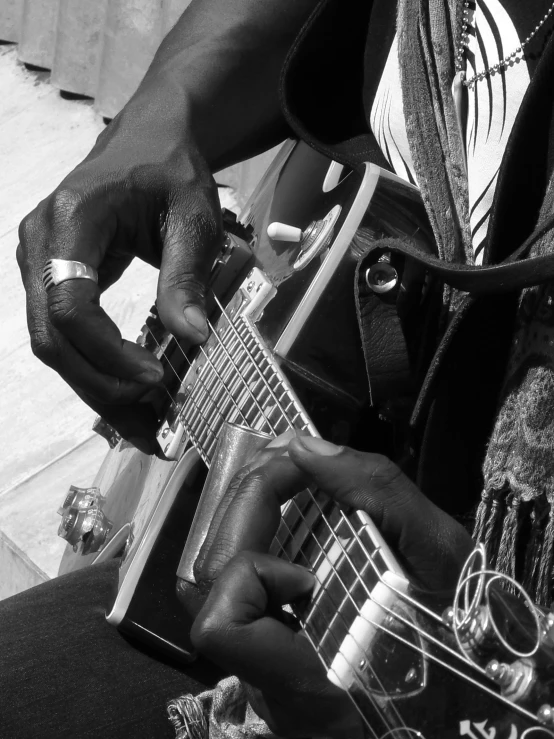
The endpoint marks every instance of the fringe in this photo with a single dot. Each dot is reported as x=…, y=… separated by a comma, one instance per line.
x=481, y=516
x=493, y=526
x=506, y=559
x=534, y=547
x=543, y=594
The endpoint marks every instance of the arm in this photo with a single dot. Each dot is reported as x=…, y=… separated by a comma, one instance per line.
x=209, y=98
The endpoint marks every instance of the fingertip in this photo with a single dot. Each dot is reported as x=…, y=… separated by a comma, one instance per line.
x=195, y=317
x=181, y=317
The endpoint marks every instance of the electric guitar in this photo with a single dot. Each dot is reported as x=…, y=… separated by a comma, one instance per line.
x=284, y=352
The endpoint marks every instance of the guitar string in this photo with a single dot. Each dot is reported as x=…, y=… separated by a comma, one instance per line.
x=245, y=347
x=179, y=379
x=379, y=626
x=318, y=649
x=322, y=515
x=248, y=354
x=369, y=557
x=421, y=632
x=354, y=672
x=357, y=538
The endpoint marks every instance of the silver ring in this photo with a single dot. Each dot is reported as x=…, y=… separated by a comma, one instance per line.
x=59, y=270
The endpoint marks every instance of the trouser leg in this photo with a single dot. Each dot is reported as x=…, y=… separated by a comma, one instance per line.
x=66, y=672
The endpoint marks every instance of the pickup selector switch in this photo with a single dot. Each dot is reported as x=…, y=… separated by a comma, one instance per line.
x=282, y=232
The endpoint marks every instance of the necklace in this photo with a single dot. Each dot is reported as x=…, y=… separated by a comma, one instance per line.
x=503, y=63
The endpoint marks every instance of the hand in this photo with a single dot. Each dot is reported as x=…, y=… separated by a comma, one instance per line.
x=140, y=192
x=237, y=628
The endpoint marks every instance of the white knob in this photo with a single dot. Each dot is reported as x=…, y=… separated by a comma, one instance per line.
x=282, y=232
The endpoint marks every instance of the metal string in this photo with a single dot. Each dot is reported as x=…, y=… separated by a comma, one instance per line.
x=357, y=538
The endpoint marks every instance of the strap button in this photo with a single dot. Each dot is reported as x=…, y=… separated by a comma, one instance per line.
x=381, y=277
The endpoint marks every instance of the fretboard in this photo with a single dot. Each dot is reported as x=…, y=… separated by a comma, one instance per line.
x=235, y=378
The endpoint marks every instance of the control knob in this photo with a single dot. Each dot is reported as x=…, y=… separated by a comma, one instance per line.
x=84, y=525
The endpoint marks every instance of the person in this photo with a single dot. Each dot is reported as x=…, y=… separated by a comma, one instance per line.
x=454, y=95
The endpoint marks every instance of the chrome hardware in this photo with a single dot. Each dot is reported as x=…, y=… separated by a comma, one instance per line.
x=476, y=632
x=382, y=277
x=545, y=715
x=81, y=498
x=317, y=237
x=547, y=635
x=84, y=526
x=103, y=428
x=235, y=447
x=515, y=680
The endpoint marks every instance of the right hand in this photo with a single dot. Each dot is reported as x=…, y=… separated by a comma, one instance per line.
x=136, y=194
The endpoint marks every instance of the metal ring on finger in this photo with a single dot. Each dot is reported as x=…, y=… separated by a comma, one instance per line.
x=57, y=271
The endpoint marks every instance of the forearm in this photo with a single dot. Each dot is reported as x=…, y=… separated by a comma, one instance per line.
x=215, y=77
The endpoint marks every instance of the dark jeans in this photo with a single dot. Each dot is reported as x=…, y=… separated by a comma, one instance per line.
x=65, y=672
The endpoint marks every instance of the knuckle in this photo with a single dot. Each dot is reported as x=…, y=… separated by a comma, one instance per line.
x=62, y=313
x=42, y=346
x=209, y=632
x=62, y=206
x=179, y=279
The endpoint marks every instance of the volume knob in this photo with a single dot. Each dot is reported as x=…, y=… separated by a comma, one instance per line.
x=84, y=526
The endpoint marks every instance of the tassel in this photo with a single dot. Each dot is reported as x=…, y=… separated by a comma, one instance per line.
x=543, y=591
x=481, y=516
x=492, y=526
x=506, y=560
x=534, y=547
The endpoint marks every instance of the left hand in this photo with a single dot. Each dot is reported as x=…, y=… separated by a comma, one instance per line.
x=238, y=628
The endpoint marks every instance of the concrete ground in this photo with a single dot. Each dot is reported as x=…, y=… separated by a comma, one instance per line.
x=45, y=430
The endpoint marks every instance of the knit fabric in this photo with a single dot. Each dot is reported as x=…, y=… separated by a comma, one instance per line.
x=221, y=713
x=516, y=516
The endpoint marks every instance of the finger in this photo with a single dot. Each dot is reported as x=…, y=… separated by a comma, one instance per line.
x=252, y=583
x=369, y=482
x=250, y=515
x=57, y=352
x=60, y=228
x=431, y=545
x=74, y=310
x=194, y=235
x=136, y=423
x=234, y=631
x=273, y=449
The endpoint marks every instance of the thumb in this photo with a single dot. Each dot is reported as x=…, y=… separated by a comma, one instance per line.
x=193, y=236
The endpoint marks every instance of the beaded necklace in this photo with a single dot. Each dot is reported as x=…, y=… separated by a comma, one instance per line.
x=461, y=83
x=515, y=56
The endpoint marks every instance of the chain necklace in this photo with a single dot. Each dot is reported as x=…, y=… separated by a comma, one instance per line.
x=503, y=63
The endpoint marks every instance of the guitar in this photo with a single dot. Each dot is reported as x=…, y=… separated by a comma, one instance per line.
x=284, y=352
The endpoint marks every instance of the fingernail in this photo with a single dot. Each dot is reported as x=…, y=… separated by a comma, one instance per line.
x=194, y=315
x=308, y=576
x=282, y=440
x=150, y=376
x=319, y=446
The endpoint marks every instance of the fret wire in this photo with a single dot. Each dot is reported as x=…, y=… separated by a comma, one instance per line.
x=234, y=365
x=357, y=678
x=244, y=345
x=278, y=402
x=237, y=380
x=401, y=595
x=232, y=328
